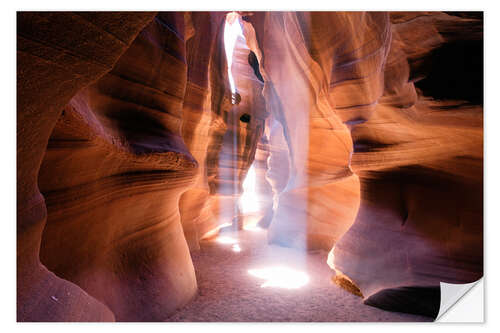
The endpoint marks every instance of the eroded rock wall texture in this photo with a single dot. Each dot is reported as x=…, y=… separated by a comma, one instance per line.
x=381, y=111
x=322, y=72
x=51, y=68
x=365, y=128
x=420, y=161
x=138, y=165
x=203, y=50
x=234, y=142
x=113, y=223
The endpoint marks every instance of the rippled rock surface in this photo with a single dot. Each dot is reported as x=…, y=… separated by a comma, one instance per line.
x=365, y=132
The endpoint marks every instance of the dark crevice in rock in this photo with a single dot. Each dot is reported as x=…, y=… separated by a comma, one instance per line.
x=455, y=72
x=254, y=62
x=245, y=118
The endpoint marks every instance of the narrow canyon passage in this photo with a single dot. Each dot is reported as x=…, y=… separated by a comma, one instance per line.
x=202, y=166
x=241, y=278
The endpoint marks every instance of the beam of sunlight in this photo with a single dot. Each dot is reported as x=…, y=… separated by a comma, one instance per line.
x=215, y=231
x=331, y=258
x=252, y=228
x=235, y=247
x=249, y=200
x=232, y=29
x=226, y=240
x=281, y=277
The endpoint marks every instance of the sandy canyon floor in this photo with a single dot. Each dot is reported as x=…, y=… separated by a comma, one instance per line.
x=241, y=278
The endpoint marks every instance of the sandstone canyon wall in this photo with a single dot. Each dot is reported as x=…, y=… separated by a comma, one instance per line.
x=322, y=71
x=113, y=223
x=51, y=68
x=131, y=148
x=420, y=161
x=124, y=194
x=381, y=100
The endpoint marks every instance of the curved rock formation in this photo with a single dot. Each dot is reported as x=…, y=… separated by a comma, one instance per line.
x=198, y=123
x=419, y=159
x=317, y=79
x=114, y=210
x=233, y=146
x=365, y=131
x=113, y=223
x=51, y=68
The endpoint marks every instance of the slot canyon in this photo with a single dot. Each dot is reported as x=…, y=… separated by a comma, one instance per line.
x=247, y=166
